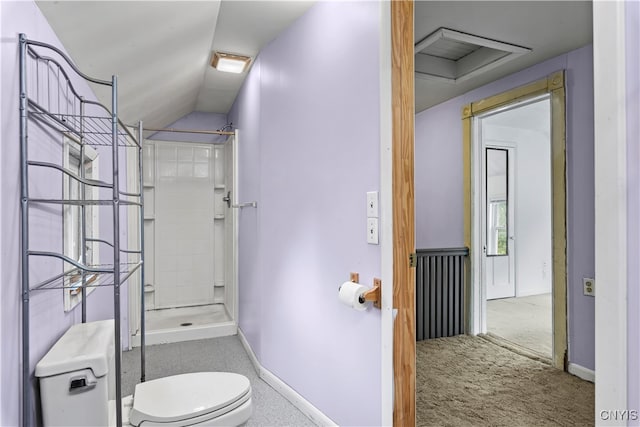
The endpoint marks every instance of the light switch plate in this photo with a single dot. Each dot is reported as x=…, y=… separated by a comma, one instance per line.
x=589, y=287
x=372, y=231
x=372, y=204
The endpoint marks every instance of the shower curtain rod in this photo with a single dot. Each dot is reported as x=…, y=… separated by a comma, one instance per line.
x=206, y=132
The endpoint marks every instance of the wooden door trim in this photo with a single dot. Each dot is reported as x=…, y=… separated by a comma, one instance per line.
x=403, y=118
x=554, y=85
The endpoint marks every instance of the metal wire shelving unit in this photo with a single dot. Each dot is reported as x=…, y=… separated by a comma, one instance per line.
x=49, y=100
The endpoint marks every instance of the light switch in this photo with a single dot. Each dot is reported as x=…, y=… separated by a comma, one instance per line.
x=372, y=231
x=372, y=204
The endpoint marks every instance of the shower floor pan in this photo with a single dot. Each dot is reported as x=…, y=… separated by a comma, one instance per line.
x=186, y=324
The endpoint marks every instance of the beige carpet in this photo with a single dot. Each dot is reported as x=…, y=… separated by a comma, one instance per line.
x=469, y=381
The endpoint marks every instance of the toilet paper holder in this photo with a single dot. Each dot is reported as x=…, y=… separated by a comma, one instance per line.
x=374, y=294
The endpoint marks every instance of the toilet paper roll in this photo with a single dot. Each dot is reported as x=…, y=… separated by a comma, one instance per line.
x=349, y=294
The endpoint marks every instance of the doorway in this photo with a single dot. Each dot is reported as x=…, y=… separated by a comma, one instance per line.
x=190, y=290
x=516, y=222
x=536, y=268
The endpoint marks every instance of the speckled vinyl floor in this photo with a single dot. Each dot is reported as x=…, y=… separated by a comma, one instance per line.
x=218, y=354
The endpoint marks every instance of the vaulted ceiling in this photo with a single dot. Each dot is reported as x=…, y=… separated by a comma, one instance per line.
x=161, y=50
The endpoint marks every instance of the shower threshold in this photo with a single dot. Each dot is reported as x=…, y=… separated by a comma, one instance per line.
x=186, y=324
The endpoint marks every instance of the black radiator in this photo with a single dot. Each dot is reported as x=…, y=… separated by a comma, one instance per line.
x=440, y=292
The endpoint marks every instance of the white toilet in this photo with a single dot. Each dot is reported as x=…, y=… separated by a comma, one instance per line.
x=77, y=388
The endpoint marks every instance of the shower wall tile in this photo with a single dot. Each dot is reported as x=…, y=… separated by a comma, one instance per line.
x=189, y=239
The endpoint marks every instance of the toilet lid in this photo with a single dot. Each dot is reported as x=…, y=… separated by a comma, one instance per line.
x=177, y=397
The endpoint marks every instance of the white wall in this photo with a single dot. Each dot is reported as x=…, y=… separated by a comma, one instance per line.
x=532, y=206
x=612, y=187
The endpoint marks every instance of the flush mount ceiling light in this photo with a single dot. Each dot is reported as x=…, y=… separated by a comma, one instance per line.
x=229, y=62
x=451, y=56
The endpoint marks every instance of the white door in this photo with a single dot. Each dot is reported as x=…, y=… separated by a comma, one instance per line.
x=499, y=221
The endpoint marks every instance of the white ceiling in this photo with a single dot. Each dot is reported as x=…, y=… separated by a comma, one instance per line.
x=161, y=50
x=550, y=28
x=535, y=117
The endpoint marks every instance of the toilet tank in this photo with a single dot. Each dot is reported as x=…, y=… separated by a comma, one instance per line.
x=77, y=376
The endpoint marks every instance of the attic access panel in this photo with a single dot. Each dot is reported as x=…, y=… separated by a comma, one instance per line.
x=451, y=56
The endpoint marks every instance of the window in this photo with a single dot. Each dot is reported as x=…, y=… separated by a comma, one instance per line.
x=497, y=181
x=72, y=219
x=497, y=233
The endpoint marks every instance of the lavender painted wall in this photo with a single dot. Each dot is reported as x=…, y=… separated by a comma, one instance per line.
x=308, y=118
x=438, y=176
x=580, y=206
x=246, y=113
x=632, y=38
x=197, y=120
x=47, y=315
x=439, y=181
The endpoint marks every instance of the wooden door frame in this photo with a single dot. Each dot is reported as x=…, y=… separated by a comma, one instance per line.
x=403, y=213
x=554, y=85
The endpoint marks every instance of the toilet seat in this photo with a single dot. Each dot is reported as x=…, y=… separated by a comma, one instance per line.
x=190, y=399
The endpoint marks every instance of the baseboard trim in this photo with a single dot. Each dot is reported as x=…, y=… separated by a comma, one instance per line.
x=249, y=350
x=582, y=372
x=285, y=390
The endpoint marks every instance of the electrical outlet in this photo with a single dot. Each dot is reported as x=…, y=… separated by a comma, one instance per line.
x=589, y=287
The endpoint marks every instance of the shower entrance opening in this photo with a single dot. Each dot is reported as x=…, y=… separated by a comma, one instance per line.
x=189, y=225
